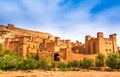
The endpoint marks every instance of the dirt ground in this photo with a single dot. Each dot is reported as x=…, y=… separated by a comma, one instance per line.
x=59, y=74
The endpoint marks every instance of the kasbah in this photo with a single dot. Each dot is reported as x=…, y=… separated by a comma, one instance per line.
x=26, y=42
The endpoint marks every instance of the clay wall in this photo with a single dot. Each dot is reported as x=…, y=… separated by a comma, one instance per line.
x=65, y=48
x=82, y=56
x=10, y=26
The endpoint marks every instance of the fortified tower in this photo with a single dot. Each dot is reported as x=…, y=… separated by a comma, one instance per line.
x=87, y=44
x=57, y=41
x=114, y=42
x=100, y=38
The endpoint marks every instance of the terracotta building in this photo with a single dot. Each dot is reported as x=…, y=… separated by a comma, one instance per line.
x=98, y=45
x=64, y=49
x=32, y=42
x=23, y=44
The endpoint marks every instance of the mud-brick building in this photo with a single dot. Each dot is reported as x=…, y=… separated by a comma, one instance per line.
x=30, y=42
x=64, y=50
x=100, y=44
x=23, y=44
x=68, y=50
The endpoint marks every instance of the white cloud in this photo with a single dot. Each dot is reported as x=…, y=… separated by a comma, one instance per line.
x=48, y=16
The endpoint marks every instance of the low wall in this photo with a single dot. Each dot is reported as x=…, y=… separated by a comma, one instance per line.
x=82, y=56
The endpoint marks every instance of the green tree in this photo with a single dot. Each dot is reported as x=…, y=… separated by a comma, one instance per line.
x=113, y=61
x=87, y=63
x=100, y=60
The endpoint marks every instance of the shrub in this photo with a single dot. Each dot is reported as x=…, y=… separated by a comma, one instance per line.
x=8, y=62
x=46, y=63
x=28, y=63
x=13, y=61
x=100, y=60
x=87, y=63
x=63, y=66
x=74, y=64
x=113, y=61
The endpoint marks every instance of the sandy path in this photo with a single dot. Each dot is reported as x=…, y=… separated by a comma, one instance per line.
x=60, y=74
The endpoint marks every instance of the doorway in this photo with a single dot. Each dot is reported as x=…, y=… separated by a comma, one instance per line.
x=56, y=57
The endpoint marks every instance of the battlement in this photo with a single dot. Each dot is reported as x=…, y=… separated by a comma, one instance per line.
x=112, y=36
x=30, y=43
x=88, y=37
x=100, y=35
x=57, y=39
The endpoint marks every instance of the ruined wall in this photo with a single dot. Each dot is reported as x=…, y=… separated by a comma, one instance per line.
x=11, y=26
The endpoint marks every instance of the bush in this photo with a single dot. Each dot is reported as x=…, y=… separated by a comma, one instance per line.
x=28, y=63
x=7, y=51
x=9, y=62
x=87, y=63
x=113, y=61
x=12, y=61
x=100, y=60
x=63, y=66
x=45, y=63
x=80, y=63
x=74, y=64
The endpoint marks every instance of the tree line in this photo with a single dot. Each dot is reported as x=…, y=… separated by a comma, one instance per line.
x=10, y=60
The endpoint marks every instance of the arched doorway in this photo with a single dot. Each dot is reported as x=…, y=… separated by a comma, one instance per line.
x=56, y=57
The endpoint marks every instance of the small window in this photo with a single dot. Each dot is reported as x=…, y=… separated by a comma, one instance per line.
x=20, y=49
x=109, y=49
x=106, y=49
x=106, y=42
x=33, y=46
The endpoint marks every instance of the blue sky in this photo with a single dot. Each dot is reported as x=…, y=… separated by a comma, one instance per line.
x=69, y=19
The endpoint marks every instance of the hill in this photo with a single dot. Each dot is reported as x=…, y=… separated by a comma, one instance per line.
x=10, y=31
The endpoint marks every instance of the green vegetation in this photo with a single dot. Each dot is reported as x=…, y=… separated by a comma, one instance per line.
x=10, y=60
x=87, y=63
x=46, y=63
x=100, y=60
x=74, y=64
x=63, y=66
x=113, y=61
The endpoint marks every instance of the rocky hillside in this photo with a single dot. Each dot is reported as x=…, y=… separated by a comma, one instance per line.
x=11, y=31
